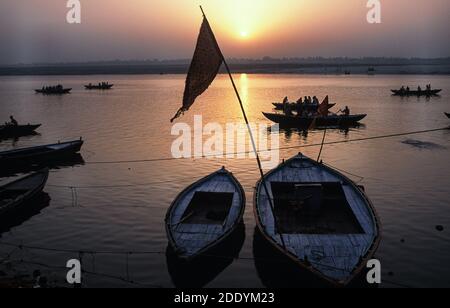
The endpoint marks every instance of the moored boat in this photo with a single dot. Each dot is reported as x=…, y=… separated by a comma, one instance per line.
x=39, y=154
x=8, y=131
x=319, y=121
x=19, y=192
x=205, y=214
x=324, y=222
x=416, y=92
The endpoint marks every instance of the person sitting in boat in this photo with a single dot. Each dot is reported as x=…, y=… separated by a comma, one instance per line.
x=346, y=111
x=287, y=109
x=285, y=100
x=299, y=107
x=407, y=89
x=419, y=89
x=13, y=121
x=402, y=89
x=316, y=101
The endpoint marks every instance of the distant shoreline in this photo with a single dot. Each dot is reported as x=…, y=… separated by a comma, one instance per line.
x=325, y=67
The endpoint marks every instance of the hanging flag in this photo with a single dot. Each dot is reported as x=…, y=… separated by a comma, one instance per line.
x=323, y=108
x=204, y=67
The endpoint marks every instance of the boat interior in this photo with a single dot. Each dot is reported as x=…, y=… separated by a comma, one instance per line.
x=208, y=208
x=313, y=208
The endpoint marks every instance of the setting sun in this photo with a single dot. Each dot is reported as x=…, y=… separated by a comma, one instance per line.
x=244, y=34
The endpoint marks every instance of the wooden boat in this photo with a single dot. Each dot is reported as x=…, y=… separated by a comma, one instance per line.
x=17, y=130
x=53, y=91
x=99, y=87
x=320, y=121
x=17, y=193
x=279, y=106
x=448, y=115
x=416, y=93
x=205, y=214
x=39, y=154
x=328, y=224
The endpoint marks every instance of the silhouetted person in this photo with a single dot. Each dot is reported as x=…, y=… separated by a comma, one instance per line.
x=13, y=121
x=346, y=111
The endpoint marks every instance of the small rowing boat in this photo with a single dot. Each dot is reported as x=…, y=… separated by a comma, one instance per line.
x=19, y=192
x=324, y=222
x=39, y=154
x=205, y=214
x=53, y=91
x=99, y=87
x=8, y=131
x=320, y=121
x=416, y=92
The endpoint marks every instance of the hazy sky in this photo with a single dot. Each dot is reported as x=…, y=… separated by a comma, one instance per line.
x=37, y=31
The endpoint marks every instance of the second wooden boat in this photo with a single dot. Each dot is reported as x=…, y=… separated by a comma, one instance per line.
x=320, y=121
x=38, y=154
x=328, y=225
x=19, y=192
x=205, y=214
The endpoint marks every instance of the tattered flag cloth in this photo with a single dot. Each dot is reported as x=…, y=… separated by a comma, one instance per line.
x=324, y=107
x=204, y=67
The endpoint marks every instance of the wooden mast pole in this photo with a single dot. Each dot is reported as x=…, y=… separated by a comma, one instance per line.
x=272, y=207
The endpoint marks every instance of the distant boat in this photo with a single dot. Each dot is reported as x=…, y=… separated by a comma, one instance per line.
x=205, y=214
x=9, y=131
x=328, y=225
x=371, y=71
x=38, y=154
x=104, y=86
x=320, y=121
x=16, y=194
x=447, y=114
x=280, y=106
x=57, y=90
x=348, y=73
x=416, y=92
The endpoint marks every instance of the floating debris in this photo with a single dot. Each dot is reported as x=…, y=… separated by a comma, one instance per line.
x=423, y=144
x=440, y=228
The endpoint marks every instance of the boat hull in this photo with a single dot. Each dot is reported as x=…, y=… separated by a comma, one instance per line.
x=416, y=93
x=8, y=131
x=306, y=122
x=177, y=226
x=295, y=243
x=26, y=188
x=47, y=92
x=39, y=154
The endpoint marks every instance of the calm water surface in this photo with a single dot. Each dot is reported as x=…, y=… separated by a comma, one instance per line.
x=121, y=207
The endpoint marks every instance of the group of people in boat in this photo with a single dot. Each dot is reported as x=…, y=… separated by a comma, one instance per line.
x=419, y=89
x=12, y=122
x=100, y=85
x=307, y=107
x=57, y=88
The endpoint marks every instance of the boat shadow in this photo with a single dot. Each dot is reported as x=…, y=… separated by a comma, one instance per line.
x=25, y=212
x=15, y=138
x=55, y=164
x=276, y=270
x=205, y=268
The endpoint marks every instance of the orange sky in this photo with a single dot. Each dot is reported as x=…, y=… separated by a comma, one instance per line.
x=36, y=31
